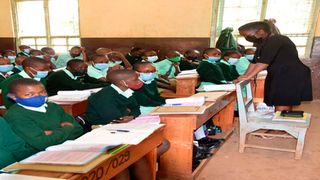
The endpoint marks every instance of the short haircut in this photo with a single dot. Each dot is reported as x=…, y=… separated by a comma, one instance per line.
x=6, y=51
x=206, y=51
x=249, y=49
x=135, y=49
x=74, y=62
x=257, y=25
x=22, y=82
x=139, y=64
x=46, y=49
x=229, y=53
x=96, y=56
x=33, y=61
x=34, y=50
x=75, y=47
x=121, y=74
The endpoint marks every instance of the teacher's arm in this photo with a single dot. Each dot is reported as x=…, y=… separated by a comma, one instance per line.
x=252, y=70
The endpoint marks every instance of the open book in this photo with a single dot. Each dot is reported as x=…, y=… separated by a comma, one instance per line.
x=78, y=95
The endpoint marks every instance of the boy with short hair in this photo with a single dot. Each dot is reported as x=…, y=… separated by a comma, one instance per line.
x=12, y=147
x=24, y=51
x=189, y=61
x=135, y=55
x=227, y=65
x=169, y=67
x=150, y=56
x=33, y=68
x=5, y=68
x=74, y=77
x=117, y=58
x=249, y=54
x=39, y=123
x=9, y=54
x=76, y=52
x=18, y=64
x=99, y=67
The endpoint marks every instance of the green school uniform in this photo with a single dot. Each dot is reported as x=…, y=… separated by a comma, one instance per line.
x=30, y=126
x=63, y=58
x=64, y=80
x=4, y=85
x=15, y=70
x=165, y=66
x=23, y=54
x=2, y=78
x=210, y=72
x=229, y=71
x=96, y=73
x=12, y=147
x=109, y=104
x=149, y=95
x=186, y=65
x=242, y=65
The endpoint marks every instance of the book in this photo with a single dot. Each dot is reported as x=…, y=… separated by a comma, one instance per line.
x=72, y=145
x=179, y=110
x=211, y=96
x=278, y=118
x=154, y=119
x=220, y=87
x=190, y=101
x=78, y=158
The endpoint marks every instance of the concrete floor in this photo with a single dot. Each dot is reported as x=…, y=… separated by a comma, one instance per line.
x=258, y=164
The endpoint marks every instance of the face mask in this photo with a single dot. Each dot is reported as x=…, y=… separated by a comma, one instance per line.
x=213, y=58
x=79, y=73
x=12, y=58
x=35, y=101
x=249, y=57
x=74, y=55
x=111, y=64
x=26, y=51
x=40, y=57
x=253, y=39
x=152, y=58
x=134, y=86
x=41, y=74
x=101, y=66
x=6, y=68
x=19, y=67
x=147, y=76
x=175, y=59
x=233, y=61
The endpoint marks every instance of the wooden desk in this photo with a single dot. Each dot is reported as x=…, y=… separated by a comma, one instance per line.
x=74, y=108
x=185, y=86
x=112, y=164
x=177, y=162
x=258, y=88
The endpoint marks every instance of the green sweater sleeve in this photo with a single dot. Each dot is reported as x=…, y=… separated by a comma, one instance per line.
x=210, y=73
x=34, y=135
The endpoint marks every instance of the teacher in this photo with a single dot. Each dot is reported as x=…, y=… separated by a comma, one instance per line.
x=288, y=81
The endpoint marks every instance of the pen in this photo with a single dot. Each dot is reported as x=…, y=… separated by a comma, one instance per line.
x=118, y=130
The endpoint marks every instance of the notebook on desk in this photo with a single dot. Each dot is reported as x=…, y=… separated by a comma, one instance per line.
x=211, y=96
x=179, y=110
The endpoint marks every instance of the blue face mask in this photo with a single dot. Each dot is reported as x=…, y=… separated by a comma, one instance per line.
x=249, y=57
x=35, y=101
x=40, y=56
x=233, y=61
x=213, y=58
x=26, y=51
x=41, y=74
x=147, y=76
x=152, y=58
x=101, y=66
x=6, y=68
x=12, y=58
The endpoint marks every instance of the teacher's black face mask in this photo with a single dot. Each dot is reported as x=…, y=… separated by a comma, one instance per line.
x=253, y=39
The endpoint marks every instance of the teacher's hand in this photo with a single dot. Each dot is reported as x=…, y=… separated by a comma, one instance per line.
x=241, y=78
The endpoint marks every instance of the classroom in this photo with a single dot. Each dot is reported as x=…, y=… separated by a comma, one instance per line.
x=166, y=90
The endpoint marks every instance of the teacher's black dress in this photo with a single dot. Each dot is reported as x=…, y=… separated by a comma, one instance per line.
x=288, y=81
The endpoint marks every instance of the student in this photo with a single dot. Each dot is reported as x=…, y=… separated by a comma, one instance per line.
x=189, y=61
x=148, y=95
x=5, y=68
x=33, y=68
x=18, y=64
x=12, y=147
x=244, y=61
x=76, y=52
x=39, y=54
x=99, y=67
x=227, y=65
x=39, y=123
x=249, y=54
x=169, y=67
x=24, y=51
x=193, y=55
x=74, y=77
x=135, y=55
x=117, y=58
x=103, y=51
x=9, y=54
x=49, y=54
x=150, y=56
x=208, y=69
x=121, y=105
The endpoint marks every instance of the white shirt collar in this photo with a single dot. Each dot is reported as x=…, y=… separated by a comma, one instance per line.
x=70, y=74
x=128, y=93
x=38, y=109
x=25, y=75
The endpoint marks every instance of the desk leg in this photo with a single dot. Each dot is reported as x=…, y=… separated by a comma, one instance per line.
x=152, y=160
x=225, y=117
x=176, y=163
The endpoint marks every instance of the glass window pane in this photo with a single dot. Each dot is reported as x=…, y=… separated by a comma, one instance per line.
x=28, y=41
x=64, y=17
x=60, y=49
x=74, y=41
x=59, y=41
x=31, y=18
x=42, y=41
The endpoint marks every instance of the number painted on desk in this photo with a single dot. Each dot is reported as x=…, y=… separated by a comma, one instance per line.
x=119, y=160
x=94, y=175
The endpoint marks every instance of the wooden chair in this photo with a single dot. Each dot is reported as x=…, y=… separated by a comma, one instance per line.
x=251, y=121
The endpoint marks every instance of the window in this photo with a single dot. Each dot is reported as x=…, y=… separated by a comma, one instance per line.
x=53, y=23
x=234, y=13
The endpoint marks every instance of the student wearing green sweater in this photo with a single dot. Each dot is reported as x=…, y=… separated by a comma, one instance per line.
x=12, y=147
x=74, y=77
x=33, y=68
x=115, y=102
x=148, y=95
x=227, y=64
x=39, y=123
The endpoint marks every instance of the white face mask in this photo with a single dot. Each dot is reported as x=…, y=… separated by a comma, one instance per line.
x=152, y=58
x=233, y=61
